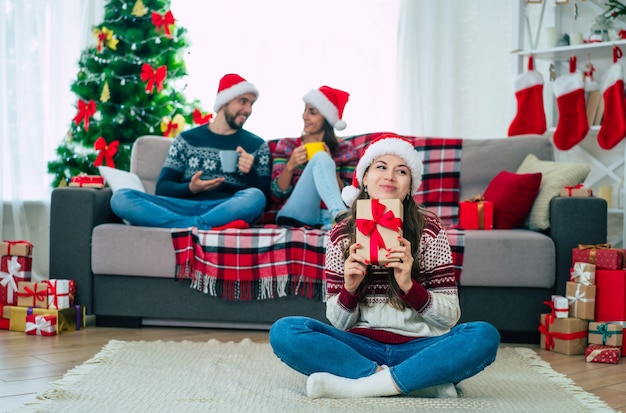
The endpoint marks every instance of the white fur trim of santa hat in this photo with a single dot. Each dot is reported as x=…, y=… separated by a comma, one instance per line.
x=388, y=144
x=330, y=102
x=231, y=86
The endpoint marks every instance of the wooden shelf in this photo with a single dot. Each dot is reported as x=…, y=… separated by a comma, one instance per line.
x=562, y=53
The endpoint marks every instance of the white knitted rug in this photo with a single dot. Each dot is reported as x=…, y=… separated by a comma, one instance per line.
x=159, y=376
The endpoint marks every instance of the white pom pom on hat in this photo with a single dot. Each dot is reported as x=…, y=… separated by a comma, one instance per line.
x=387, y=144
x=330, y=102
x=231, y=86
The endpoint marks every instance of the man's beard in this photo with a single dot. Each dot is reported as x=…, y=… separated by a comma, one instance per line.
x=231, y=120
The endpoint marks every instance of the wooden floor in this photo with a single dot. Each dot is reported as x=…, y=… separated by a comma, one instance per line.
x=29, y=363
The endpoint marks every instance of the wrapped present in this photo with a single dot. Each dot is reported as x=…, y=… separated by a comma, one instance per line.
x=72, y=291
x=87, y=181
x=560, y=306
x=4, y=323
x=597, y=353
x=602, y=255
x=13, y=269
x=584, y=273
x=41, y=325
x=68, y=319
x=582, y=300
x=378, y=225
x=32, y=294
x=476, y=213
x=563, y=335
x=606, y=334
x=577, y=191
x=58, y=293
x=610, y=295
x=20, y=248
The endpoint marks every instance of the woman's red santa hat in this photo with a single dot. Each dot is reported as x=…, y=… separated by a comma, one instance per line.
x=330, y=103
x=231, y=86
x=387, y=144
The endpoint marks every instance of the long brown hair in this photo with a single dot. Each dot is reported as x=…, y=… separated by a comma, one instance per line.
x=330, y=139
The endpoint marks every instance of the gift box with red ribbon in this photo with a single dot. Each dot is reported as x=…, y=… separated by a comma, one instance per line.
x=584, y=273
x=560, y=306
x=4, y=317
x=87, y=181
x=582, y=300
x=597, y=353
x=378, y=225
x=68, y=319
x=32, y=294
x=41, y=325
x=577, y=190
x=58, y=293
x=21, y=248
x=476, y=213
x=601, y=255
x=607, y=334
x=563, y=335
x=13, y=269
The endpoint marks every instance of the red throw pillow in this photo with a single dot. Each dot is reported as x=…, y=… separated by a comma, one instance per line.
x=512, y=196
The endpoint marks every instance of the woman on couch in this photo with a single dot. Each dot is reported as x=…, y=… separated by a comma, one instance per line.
x=393, y=326
x=307, y=184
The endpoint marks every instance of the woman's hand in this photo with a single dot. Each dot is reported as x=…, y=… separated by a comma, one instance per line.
x=297, y=158
x=402, y=268
x=354, y=269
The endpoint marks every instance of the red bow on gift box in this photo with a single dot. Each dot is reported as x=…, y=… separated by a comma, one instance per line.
x=570, y=188
x=85, y=111
x=369, y=227
x=105, y=151
x=163, y=21
x=200, y=119
x=152, y=76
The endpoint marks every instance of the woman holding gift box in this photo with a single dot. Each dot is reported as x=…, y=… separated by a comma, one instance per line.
x=309, y=172
x=393, y=326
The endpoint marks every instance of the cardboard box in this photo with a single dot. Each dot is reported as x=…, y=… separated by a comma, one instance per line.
x=582, y=300
x=20, y=248
x=476, y=214
x=583, y=273
x=606, y=334
x=32, y=294
x=596, y=353
x=378, y=225
x=603, y=256
x=563, y=335
x=576, y=191
x=68, y=319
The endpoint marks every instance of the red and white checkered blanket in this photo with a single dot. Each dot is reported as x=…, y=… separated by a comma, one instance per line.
x=270, y=261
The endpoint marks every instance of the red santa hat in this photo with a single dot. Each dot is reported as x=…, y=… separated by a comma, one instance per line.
x=330, y=102
x=231, y=86
x=387, y=144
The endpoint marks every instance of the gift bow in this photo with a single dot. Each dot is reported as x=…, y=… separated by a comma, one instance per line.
x=152, y=76
x=199, y=118
x=105, y=151
x=553, y=310
x=578, y=272
x=550, y=336
x=54, y=294
x=41, y=324
x=85, y=111
x=570, y=188
x=578, y=296
x=369, y=227
x=163, y=20
x=38, y=295
x=592, y=253
x=172, y=127
x=19, y=242
x=8, y=278
x=105, y=36
x=604, y=330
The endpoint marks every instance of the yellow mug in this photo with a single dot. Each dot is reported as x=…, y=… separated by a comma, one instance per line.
x=312, y=148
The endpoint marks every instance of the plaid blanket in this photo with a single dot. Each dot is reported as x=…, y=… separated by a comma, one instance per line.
x=268, y=261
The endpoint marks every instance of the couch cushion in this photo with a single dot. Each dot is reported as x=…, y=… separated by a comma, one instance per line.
x=512, y=196
x=147, y=158
x=515, y=257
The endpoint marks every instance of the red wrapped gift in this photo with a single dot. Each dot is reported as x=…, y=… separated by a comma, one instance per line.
x=597, y=353
x=21, y=247
x=610, y=295
x=577, y=190
x=378, y=225
x=41, y=325
x=13, y=269
x=563, y=335
x=87, y=181
x=602, y=255
x=32, y=294
x=476, y=213
x=4, y=323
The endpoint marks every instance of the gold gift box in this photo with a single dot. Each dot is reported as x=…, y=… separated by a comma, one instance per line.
x=563, y=335
x=68, y=319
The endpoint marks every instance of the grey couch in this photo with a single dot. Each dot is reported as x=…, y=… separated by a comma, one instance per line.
x=125, y=274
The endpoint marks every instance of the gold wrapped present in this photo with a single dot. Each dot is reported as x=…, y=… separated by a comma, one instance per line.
x=378, y=225
x=68, y=319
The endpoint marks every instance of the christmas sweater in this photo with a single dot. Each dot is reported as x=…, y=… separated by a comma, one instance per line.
x=432, y=302
x=345, y=158
x=198, y=149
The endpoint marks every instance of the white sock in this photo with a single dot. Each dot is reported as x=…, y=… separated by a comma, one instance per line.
x=335, y=387
x=441, y=391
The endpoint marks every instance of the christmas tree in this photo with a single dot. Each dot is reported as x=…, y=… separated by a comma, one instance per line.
x=126, y=87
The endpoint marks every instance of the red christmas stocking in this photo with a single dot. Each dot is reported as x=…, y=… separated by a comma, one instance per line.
x=572, y=126
x=613, y=128
x=531, y=116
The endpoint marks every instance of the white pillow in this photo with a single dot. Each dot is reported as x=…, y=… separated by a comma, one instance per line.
x=554, y=176
x=118, y=179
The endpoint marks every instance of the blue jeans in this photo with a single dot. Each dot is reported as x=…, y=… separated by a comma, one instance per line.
x=309, y=346
x=317, y=183
x=166, y=212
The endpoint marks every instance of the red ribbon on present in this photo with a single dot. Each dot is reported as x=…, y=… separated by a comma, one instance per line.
x=105, y=151
x=38, y=295
x=199, y=118
x=19, y=242
x=570, y=188
x=85, y=111
x=369, y=227
x=52, y=292
x=550, y=336
x=163, y=21
x=152, y=76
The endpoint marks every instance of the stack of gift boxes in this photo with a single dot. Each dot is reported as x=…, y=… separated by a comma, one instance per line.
x=591, y=318
x=38, y=308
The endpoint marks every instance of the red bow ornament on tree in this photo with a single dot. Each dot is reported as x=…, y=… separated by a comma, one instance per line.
x=85, y=111
x=152, y=76
x=105, y=151
x=199, y=118
x=105, y=36
x=163, y=21
x=369, y=227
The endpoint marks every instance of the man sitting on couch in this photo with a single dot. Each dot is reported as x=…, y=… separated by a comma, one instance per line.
x=195, y=186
